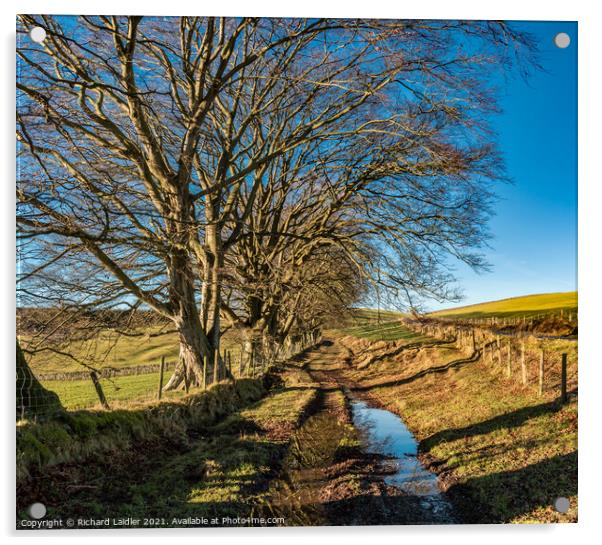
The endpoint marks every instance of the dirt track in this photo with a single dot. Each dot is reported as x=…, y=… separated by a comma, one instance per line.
x=294, y=454
x=323, y=483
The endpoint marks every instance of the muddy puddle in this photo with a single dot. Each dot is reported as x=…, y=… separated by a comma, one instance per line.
x=355, y=467
x=383, y=432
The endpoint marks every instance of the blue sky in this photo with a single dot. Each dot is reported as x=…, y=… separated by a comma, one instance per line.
x=534, y=249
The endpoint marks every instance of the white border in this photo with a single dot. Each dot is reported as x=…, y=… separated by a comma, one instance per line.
x=435, y=9
x=590, y=273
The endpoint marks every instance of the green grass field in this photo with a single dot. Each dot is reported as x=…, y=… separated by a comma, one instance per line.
x=376, y=325
x=110, y=350
x=362, y=316
x=386, y=331
x=543, y=303
x=105, y=350
x=119, y=391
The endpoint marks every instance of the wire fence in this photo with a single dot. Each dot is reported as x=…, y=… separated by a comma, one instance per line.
x=49, y=394
x=109, y=372
x=540, y=365
x=525, y=320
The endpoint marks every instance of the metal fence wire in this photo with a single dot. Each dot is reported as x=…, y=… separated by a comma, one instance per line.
x=37, y=400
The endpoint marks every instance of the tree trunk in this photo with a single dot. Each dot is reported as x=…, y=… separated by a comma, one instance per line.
x=33, y=400
x=212, y=303
x=194, y=344
x=248, y=348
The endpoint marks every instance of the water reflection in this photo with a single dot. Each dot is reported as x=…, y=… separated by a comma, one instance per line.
x=383, y=432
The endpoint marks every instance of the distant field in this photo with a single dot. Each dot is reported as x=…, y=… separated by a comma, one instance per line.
x=386, y=331
x=105, y=350
x=362, y=316
x=121, y=391
x=526, y=305
x=383, y=325
x=109, y=350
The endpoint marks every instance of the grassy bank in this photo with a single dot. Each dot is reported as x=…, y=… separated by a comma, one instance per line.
x=207, y=455
x=73, y=437
x=503, y=453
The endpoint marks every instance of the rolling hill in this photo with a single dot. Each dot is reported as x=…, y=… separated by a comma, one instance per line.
x=541, y=303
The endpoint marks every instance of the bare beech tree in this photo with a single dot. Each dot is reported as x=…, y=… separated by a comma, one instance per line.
x=165, y=162
x=112, y=113
x=395, y=187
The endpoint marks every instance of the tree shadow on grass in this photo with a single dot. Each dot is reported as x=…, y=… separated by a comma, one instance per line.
x=156, y=471
x=504, y=496
x=157, y=481
x=508, y=420
x=455, y=364
x=221, y=477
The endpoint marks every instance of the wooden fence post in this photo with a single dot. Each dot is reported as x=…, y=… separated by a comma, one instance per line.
x=215, y=366
x=541, y=365
x=523, y=364
x=161, y=370
x=509, y=359
x=205, y=358
x=563, y=396
x=99, y=392
x=499, y=350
